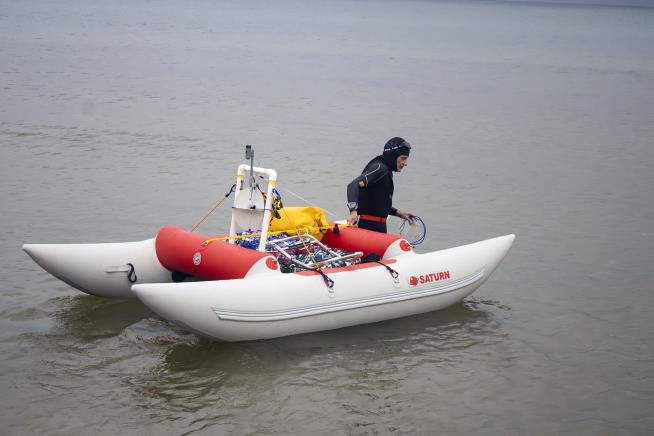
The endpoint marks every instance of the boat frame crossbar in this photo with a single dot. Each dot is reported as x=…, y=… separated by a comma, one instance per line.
x=304, y=241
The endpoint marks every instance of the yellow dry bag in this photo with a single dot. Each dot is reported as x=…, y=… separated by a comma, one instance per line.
x=310, y=219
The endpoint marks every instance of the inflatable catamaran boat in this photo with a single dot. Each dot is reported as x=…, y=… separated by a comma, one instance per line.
x=296, y=274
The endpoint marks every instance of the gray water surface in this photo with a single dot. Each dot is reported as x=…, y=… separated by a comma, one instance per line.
x=535, y=119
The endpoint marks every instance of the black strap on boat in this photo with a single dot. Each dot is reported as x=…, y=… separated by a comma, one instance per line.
x=131, y=274
x=391, y=271
x=328, y=281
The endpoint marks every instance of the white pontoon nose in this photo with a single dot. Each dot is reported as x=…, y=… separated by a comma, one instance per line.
x=105, y=270
x=497, y=249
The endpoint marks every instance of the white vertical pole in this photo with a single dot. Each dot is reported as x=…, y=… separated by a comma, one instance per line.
x=232, y=226
x=272, y=179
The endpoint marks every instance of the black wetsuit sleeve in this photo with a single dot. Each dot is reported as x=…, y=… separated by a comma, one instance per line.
x=373, y=173
x=353, y=195
x=393, y=211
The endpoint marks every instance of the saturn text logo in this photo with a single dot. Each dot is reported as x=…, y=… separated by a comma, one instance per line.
x=427, y=278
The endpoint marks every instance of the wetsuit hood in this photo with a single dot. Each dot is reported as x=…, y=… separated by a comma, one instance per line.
x=395, y=147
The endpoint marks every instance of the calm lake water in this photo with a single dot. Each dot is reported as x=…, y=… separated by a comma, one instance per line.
x=117, y=118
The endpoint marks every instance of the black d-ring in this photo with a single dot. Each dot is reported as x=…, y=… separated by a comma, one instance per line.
x=131, y=274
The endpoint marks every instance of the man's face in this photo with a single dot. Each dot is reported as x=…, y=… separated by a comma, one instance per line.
x=402, y=161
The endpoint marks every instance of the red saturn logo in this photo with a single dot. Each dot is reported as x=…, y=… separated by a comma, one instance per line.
x=431, y=277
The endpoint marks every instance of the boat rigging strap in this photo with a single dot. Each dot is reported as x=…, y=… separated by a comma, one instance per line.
x=390, y=270
x=215, y=206
x=328, y=281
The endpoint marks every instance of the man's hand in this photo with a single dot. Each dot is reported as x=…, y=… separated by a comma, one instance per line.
x=407, y=216
x=353, y=219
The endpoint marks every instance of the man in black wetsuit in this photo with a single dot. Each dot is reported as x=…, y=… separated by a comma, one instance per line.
x=370, y=196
